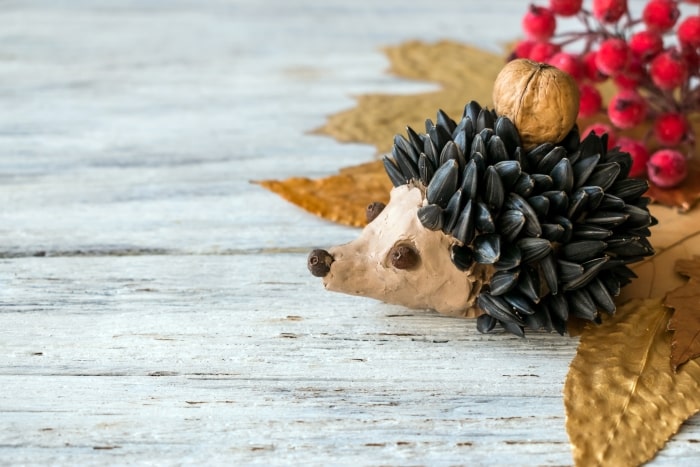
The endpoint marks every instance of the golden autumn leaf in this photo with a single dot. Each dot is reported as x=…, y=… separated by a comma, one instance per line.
x=341, y=198
x=685, y=321
x=623, y=401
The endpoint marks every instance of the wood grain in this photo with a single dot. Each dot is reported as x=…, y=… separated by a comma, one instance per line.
x=155, y=305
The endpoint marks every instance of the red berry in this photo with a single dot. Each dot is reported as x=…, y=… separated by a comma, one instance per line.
x=631, y=76
x=668, y=69
x=601, y=129
x=539, y=23
x=627, y=109
x=639, y=153
x=590, y=100
x=646, y=44
x=661, y=15
x=541, y=51
x=568, y=63
x=689, y=32
x=590, y=69
x=670, y=128
x=667, y=168
x=613, y=56
x=522, y=49
x=609, y=11
x=565, y=7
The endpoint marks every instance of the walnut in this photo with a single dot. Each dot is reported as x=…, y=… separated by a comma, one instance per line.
x=541, y=100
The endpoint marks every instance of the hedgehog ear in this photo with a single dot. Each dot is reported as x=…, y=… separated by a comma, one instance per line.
x=373, y=210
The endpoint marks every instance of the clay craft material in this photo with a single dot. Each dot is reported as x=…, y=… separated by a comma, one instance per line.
x=519, y=238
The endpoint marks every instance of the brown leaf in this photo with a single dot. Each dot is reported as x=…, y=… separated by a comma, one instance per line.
x=465, y=73
x=623, y=401
x=685, y=321
x=340, y=198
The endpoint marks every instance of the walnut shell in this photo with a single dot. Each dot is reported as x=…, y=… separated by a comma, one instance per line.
x=541, y=100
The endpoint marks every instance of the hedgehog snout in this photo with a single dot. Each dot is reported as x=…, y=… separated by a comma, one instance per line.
x=319, y=262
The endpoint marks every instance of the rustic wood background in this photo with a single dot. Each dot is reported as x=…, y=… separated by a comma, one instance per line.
x=155, y=306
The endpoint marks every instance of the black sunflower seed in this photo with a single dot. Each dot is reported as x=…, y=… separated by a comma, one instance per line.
x=505, y=130
x=552, y=232
x=595, y=196
x=411, y=151
x=429, y=125
x=497, y=150
x=540, y=204
x=623, y=159
x=559, y=306
x=572, y=140
x=478, y=145
x=524, y=185
x=539, y=321
x=443, y=184
x=510, y=257
x=413, y=137
x=520, y=303
x=478, y=159
x=568, y=227
x=395, y=175
x=584, y=168
x=513, y=328
x=549, y=272
x=529, y=283
x=509, y=171
x=444, y=121
x=431, y=216
x=568, y=270
x=536, y=154
x=608, y=219
x=612, y=203
x=485, y=323
x=463, y=141
x=558, y=201
x=439, y=136
x=591, y=232
x=590, y=146
x=487, y=248
x=542, y=182
x=504, y=281
x=450, y=151
x=472, y=110
x=462, y=257
x=483, y=220
x=452, y=211
x=484, y=120
x=510, y=223
x=534, y=249
x=629, y=189
x=494, y=192
x=405, y=164
x=563, y=176
x=604, y=175
x=590, y=270
x=581, y=305
x=583, y=250
x=431, y=151
x=547, y=163
x=498, y=308
x=638, y=217
x=426, y=170
x=600, y=295
x=532, y=225
x=464, y=230
x=634, y=247
x=611, y=283
x=470, y=183
x=577, y=204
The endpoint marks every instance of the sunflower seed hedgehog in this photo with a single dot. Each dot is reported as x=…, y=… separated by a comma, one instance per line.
x=477, y=226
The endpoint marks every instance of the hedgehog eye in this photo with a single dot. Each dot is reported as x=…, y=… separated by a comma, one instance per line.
x=403, y=256
x=373, y=210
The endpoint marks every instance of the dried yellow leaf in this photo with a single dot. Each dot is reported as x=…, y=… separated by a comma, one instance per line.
x=685, y=323
x=622, y=399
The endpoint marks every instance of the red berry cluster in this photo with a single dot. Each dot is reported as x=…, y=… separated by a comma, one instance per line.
x=654, y=62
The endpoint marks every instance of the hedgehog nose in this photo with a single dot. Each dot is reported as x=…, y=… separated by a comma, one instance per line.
x=319, y=262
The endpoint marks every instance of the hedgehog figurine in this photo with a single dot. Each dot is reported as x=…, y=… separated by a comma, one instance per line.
x=522, y=225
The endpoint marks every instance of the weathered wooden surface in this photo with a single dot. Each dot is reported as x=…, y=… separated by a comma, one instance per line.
x=155, y=306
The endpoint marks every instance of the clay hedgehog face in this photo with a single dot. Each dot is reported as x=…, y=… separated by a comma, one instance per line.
x=479, y=226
